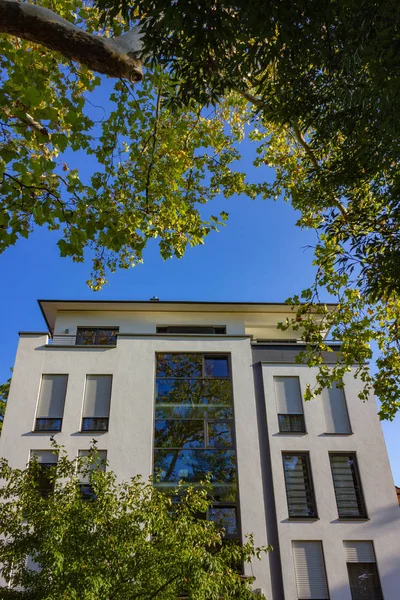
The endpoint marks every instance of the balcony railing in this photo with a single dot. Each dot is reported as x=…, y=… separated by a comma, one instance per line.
x=76, y=340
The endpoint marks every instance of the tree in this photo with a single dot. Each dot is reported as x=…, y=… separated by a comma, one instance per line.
x=314, y=87
x=4, y=391
x=127, y=540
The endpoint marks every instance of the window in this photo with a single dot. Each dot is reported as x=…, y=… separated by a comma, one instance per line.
x=290, y=406
x=96, y=336
x=299, y=490
x=86, y=488
x=194, y=433
x=96, y=407
x=46, y=460
x=346, y=481
x=335, y=410
x=201, y=329
x=50, y=409
x=310, y=572
x=362, y=570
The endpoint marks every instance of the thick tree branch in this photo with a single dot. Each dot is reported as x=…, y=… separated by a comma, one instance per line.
x=117, y=57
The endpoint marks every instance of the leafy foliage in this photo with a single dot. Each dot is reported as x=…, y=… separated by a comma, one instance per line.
x=314, y=85
x=4, y=391
x=129, y=541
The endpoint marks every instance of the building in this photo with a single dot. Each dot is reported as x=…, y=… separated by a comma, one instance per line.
x=188, y=387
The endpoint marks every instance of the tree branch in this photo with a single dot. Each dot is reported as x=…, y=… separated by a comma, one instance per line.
x=117, y=57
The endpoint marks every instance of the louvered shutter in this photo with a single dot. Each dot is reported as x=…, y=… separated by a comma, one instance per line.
x=335, y=410
x=52, y=396
x=288, y=395
x=97, y=396
x=310, y=571
x=359, y=552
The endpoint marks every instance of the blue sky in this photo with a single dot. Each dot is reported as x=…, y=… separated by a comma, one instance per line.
x=259, y=256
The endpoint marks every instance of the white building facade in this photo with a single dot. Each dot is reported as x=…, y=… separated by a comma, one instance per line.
x=183, y=388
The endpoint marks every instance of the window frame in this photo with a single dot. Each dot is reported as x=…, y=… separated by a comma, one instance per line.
x=305, y=541
x=358, y=485
x=60, y=419
x=94, y=329
x=223, y=503
x=339, y=433
x=314, y=516
x=171, y=326
x=83, y=418
x=302, y=415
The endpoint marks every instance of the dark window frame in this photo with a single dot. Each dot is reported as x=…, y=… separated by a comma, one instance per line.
x=288, y=416
x=358, y=487
x=311, y=485
x=94, y=330
x=39, y=429
x=180, y=329
x=206, y=420
x=377, y=594
x=94, y=419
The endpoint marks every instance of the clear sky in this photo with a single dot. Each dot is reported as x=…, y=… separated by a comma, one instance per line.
x=259, y=256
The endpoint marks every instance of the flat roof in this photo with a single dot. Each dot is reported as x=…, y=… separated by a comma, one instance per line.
x=49, y=308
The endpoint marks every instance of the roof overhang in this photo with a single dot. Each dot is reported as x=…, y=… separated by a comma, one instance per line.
x=49, y=308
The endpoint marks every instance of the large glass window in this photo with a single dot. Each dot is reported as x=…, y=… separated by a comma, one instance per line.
x=299, y=490
x=194, y=434
x=346, y=481
x=362, y=570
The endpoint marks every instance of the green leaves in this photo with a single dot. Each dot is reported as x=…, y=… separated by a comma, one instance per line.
x=128, y=541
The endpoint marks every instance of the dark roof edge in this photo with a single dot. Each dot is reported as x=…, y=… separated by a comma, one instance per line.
x=219, y=302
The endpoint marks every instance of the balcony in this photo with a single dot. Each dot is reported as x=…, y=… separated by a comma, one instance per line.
x=88, y=336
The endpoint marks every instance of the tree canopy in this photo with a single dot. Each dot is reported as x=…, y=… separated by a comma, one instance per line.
x=123, y=540
x=4, y=391
x=312, y=85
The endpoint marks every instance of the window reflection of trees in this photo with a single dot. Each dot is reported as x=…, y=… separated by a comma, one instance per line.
x=194, y=429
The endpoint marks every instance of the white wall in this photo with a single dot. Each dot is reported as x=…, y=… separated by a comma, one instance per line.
x=129, y=441
x=145, y=322
x=383, y=526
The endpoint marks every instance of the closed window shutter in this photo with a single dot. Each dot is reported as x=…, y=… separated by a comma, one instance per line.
x=288, y=395
x=52, y=396
x=97, y=396
x=44, y=456
x=359, y=552
x=310, y=571
x=335, y=410
x=102, y=457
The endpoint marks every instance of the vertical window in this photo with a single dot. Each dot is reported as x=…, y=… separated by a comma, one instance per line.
x=310, y=572
x=299, y=490
x=362, y=570
x=96, y=407
x=50, y=409
x=290, y=406
x=85, y=483
x=346, y=481
x=46, y=460
x=194, y=433
x=335, y=410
